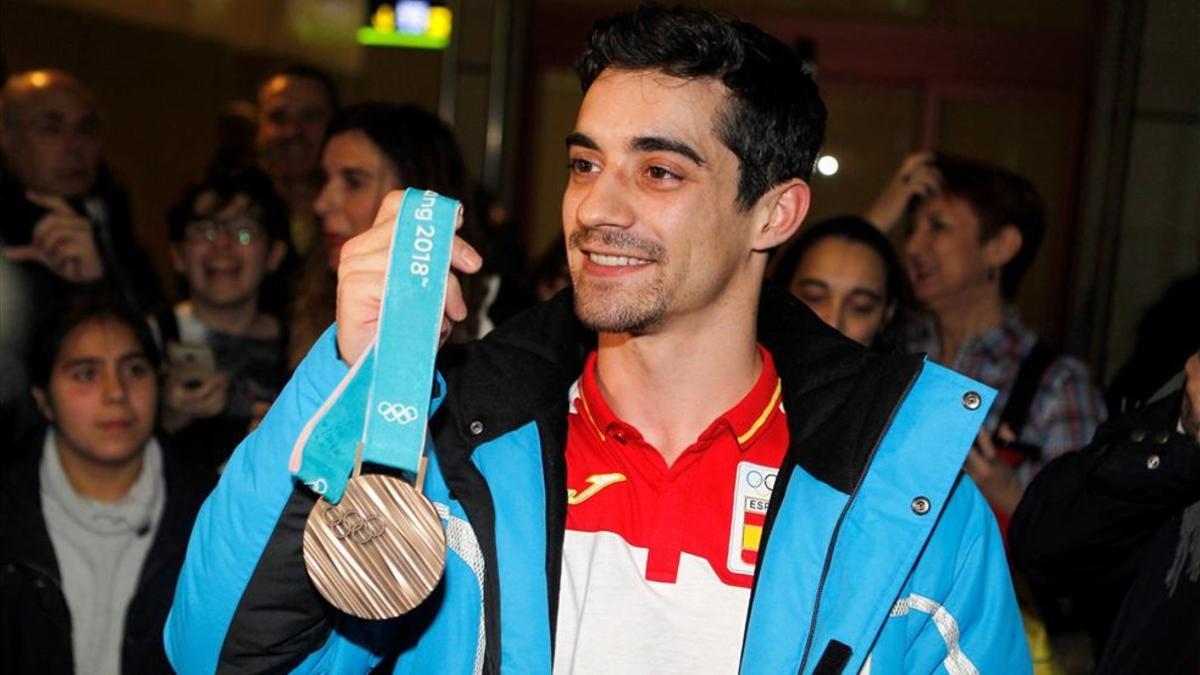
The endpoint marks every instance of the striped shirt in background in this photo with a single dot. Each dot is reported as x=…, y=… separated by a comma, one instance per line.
x=1067, y=407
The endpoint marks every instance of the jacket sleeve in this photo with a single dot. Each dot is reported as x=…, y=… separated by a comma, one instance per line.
x=975, y=627
x=243, y=602
x=1086, y=513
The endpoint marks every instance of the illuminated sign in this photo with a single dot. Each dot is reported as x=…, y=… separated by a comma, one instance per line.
x=416, y=24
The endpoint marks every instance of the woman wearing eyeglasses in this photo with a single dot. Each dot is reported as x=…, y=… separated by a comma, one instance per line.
x=225, y=354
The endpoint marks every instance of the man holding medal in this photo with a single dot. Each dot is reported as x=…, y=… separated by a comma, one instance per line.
x=670, y=469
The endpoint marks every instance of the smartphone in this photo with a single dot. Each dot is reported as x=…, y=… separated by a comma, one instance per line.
x=1016, y=452
x=192, y=362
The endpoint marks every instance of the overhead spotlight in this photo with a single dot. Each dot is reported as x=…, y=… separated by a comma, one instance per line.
x=827, y=165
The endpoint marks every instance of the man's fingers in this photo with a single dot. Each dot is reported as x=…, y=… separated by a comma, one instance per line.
x=24, y=254
x=388, y=208
x=54, y=227
x=464, y=257
x=53, y=203
x=456, y=307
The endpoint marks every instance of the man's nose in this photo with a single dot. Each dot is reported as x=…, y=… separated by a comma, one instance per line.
x=290, y=127
x=605, y=202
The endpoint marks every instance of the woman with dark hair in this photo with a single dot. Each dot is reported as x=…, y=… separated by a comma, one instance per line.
x=845, y=270
x=97, y=513
x=370, y=149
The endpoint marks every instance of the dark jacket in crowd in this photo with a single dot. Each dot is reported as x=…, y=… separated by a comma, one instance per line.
x=35, y=623
x=127, y=266
x=30, y=293
x=1167, y=335
x=1116, y=526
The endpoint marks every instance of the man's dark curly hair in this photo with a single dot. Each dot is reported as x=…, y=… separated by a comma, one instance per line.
x=773, y=121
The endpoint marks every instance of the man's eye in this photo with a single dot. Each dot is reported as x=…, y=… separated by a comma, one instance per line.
x=661, y=173
x=580, y=166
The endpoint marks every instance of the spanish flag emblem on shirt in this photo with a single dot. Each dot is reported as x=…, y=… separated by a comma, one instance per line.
x=752, y=527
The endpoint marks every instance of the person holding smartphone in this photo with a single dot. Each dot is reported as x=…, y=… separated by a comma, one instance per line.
x=973, y=231
x=225, y=355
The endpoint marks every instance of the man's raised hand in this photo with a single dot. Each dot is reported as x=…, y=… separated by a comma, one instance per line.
x=362, y=269
x=62, y=241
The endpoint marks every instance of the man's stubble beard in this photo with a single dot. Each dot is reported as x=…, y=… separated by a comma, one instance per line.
x=609, y=306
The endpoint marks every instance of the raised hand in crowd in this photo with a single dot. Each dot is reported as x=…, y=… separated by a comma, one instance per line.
x=916, y=177
x=993, y=476
x=361, y=271
x=62, y=241
x=187, y=399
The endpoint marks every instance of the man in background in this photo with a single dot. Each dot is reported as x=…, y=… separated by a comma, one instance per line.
x=294, y=107
x=64, y=221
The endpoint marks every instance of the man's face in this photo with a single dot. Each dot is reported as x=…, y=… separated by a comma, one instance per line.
x=53, y=143
x=292, y=115
x=649, y=213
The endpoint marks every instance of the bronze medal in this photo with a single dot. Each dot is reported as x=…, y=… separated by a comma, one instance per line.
x=377, y=553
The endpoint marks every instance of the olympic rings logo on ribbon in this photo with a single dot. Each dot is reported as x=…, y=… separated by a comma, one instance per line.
x=354, y=526
x=397, y=412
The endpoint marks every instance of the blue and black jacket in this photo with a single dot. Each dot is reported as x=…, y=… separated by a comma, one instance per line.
x=877, y=556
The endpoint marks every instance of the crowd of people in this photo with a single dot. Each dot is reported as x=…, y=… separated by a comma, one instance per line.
x=121, y=403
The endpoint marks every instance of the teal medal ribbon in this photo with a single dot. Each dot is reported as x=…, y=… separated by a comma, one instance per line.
x=386, y=395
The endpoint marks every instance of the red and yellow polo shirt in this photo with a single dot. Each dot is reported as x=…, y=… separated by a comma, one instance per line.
x=658, y=560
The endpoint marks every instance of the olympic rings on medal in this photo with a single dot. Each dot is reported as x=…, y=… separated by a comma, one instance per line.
x=397, y=412
x=353, y=525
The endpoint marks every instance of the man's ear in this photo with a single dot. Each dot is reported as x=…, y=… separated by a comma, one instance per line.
x=785, y=205
x=275, y=255
x=1003, y=246
x=43, y=403
x=176, y=256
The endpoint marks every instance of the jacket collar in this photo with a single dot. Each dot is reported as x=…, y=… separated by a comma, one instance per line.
x=27, y=541
x=839, y=395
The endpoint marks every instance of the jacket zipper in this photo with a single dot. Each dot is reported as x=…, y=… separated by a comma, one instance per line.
x=837, y=528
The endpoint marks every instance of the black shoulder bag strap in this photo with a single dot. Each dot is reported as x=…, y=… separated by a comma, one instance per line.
x=1020, y=399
